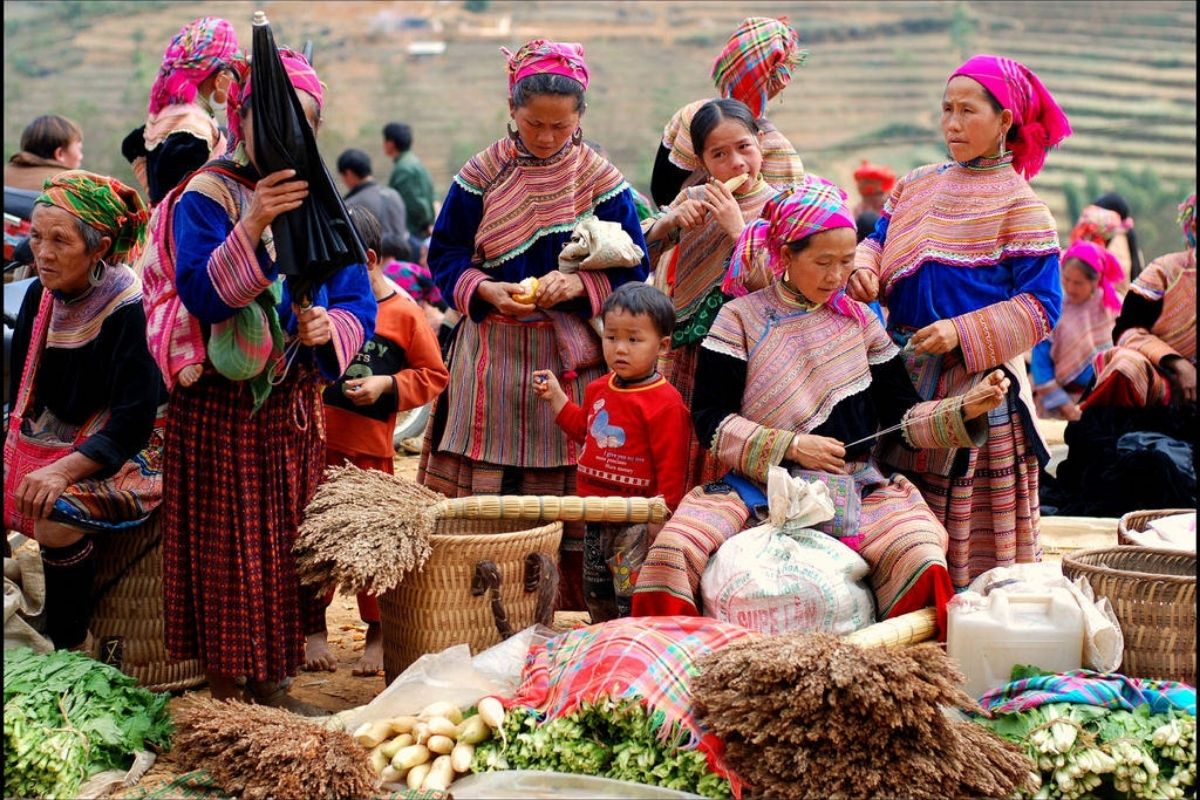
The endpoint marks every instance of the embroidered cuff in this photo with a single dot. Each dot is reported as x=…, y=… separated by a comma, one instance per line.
x=1149, y=345
x=750, y=448
x=939, y=424
x=347, y=339
x=867, y=256
x=234, y=271
x=596, y=288
x=464, y=289
x=997, y=333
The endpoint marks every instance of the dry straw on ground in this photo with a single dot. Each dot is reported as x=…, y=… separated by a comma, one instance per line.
x=364, y=531
x=257, y=752
x=809, y=715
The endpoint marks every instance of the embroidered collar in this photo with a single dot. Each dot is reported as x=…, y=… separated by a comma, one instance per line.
x=525, y=157
x=988, y=163
x=793, y=296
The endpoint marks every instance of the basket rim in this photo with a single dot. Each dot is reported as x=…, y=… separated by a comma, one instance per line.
x=1072, y=559
x=537, y=530
x=1150, y=515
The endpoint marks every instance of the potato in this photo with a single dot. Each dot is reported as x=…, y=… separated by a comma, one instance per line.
x=411, y=756
x=441, y=726
x=440, y=744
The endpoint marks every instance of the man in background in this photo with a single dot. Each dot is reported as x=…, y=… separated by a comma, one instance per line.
x=411, y=180
x=384, y=203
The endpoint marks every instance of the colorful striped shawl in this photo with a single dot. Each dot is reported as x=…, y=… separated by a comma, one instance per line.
x=1172, y=279
x=1084, y=330
x=972, y=216
x=704, y=255
x=1107, y=690
x=781, y=164
x=648, y=658
x=76, y=321
x=526, y=198
x=799, y=364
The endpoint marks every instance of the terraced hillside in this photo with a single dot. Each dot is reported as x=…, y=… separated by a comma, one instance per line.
x=1126, y=73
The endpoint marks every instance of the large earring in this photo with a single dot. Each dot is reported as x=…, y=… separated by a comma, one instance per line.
x=577, y=137
x=514, y=135
x=96, y=273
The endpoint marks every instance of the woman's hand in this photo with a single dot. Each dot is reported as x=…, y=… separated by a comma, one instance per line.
x=313, y=325
x=817, y=452
x=557, y=287
x=940, y=337
x=365, y=391
x=547, y=388
x=500, y=295
x=39, y=490
x=189, y=374
x=985, y=395
x=863, y=285
x=274, y=194
x=720, y=202
x=1183, y=375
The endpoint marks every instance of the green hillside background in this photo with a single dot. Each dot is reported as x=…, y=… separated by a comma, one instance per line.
x=1125, y=72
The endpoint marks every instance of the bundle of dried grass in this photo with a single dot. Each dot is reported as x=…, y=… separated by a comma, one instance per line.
x=257, y=752
x=364, y=530
x=810, y=715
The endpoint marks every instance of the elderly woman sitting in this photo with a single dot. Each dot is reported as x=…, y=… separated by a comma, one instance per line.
x=80, y=454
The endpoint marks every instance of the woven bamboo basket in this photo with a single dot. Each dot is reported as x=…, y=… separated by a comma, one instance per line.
x=128, y=617
x=1138, y=521
x=1153, y=593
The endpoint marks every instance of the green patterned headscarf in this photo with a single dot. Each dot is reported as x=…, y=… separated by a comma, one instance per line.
x=104, y=203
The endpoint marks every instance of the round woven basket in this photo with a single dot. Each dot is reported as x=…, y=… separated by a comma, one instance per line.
x=128, y=617
x=451, y=601
x=1138, y=521
x=1153, y=593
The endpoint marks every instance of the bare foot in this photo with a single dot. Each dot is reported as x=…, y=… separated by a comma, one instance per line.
x=317, y=655
x=371, y=663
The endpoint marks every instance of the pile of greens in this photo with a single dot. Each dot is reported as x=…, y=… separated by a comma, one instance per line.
x=1085, y=751
x=67, y=717
x=608, y=738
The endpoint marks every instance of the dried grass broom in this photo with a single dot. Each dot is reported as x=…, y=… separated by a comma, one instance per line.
x=811, y=715
x=364, y=530
x=258, y=752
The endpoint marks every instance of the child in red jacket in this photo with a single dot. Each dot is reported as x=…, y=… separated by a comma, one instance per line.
x=634, y=429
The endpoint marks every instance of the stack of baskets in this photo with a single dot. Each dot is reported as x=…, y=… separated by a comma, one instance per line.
x=128, y=617
x=1138, y=521
x=491, y=573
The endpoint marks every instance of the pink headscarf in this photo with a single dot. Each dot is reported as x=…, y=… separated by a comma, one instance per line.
x=299, y=71
x=541, y=56
x=1107, y=267
x=1039, y=121
x=810, y=207
x=194, y=53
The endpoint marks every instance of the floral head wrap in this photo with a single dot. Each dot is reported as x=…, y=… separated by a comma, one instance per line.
x=1098, y=225
x=541, y=56
x=199, y=48
x=299, y=71
x=796, y=213
x=104, y=203
x=1040, y=122
x=1187, y=219
x=1106, y=265
x=874, y=178
x=757, y=61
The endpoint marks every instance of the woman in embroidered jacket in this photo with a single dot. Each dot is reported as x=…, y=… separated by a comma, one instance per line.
x=244, y=444
x=1062, y=365
x=1154, y=362
x=506, y=217
x=797, y=374
x=965, y=257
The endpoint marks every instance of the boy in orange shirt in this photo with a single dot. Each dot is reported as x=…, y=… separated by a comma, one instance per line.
x=398, y=368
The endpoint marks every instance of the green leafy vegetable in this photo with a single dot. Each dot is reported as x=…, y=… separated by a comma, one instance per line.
x=67, y=716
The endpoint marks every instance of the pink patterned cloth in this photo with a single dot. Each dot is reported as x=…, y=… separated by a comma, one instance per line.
x=810, y=207
x=299, y=71
x=194, y=53
x=1106, y=265
x=541, y=56
x=757, y=61
x=1040, y=122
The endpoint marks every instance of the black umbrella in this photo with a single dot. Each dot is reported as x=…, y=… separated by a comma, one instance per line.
x=317, y=239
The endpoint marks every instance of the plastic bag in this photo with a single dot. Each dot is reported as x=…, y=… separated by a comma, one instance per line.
x=784, y=576
x=598, y=244
x=1103, y=642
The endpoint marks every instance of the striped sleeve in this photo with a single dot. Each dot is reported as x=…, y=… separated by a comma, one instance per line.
x=1146, y=343
x=995, y=334
x=750, y=448
x=939, y=424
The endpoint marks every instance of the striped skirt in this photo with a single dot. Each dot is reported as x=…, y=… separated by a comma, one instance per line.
x=903, y=544
x=235, y=489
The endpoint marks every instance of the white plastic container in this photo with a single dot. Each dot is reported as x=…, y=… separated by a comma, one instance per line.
x=988, y=636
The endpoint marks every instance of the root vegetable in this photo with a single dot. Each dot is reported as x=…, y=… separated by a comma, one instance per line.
x=377, y=759
x=372, y=734
x=440, y=776
x=403, y=724
x=391, y=775
x=416, y=776
x=411, y=756
x=441, y=709
x=392, y=746
x=473, y=730
x=491, y=711
x=440, y=726
x=421, y=733
x=461, y=755
x=439, y=744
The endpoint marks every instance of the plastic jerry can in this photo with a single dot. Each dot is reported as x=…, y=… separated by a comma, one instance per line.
x=988, y=636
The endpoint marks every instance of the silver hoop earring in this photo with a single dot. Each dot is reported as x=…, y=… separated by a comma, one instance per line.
x=96, y=273
x=577, y=137
x=514, y=135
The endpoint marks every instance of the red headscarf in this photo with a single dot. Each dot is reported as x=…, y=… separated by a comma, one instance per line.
x=299, y=71
x=1040, y=122
x=874, y=178
x=1104, y=263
